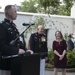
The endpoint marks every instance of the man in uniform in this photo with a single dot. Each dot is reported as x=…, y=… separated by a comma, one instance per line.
x=38, y=43
x=70, y=44
x=8, y=33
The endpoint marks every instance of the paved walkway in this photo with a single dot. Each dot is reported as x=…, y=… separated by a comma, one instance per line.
x=59, y=73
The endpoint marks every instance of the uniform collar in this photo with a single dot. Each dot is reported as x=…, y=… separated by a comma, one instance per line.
x=39, y=34
x=9, y=22
x=6, y=20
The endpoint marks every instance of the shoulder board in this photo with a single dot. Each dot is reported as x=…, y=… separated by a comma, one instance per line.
x=1, y=22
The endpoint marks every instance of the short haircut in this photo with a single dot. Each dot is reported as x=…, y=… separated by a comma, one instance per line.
x=40, y=26
x=7, y=8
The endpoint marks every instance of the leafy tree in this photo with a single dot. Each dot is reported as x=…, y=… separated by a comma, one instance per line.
x=39, y=5
x=46, y=4
x=68, y=6
x=28, y=6
x=64, y=9
x=55, y=7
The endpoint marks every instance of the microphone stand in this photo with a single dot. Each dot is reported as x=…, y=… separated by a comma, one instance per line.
x=22, y=35
x=24, y=43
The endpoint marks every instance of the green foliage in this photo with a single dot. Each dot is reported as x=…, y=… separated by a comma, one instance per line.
x=65, y=36
x=48, y=6
x=69, y=2
x=39, y=5
x=63, y=11
x=39, y=21
x=70, y=58
x=51, y=56
x=47, y=3
x=68, y=6
x=28, y=6
x=48, y=65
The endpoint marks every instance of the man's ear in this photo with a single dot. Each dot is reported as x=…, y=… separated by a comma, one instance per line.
x=37, y=28
x=9, y=12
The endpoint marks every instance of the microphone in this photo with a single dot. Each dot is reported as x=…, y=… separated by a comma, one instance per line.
x=28, y=24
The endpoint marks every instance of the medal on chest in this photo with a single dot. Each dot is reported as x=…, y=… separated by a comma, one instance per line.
x=43, y=39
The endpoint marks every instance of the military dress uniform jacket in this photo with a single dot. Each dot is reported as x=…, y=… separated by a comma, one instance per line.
x=38, y=44
x=8, y=32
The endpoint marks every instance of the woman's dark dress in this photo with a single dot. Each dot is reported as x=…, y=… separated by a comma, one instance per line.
x=59, y=47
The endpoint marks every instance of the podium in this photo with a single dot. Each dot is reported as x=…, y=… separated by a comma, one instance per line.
x=22, y=64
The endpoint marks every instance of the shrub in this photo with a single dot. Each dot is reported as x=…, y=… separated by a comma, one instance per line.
x=70, y=59
x=48, y=65
x=51, y=56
